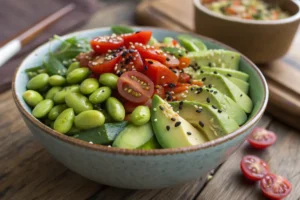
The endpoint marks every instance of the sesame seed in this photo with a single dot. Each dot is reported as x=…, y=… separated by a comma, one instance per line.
x=199, y=110
x=173, y=119
x=219, y=111
x=229, y=75
x=209, y=85
x=241, y=95
x=171, y=85
x=201, y=124
x=189, y=133
x=146, y=67
x=155, y=120
x=177, y=123
x=208, y=100
x=203, y=79
x=167, y=59
x=215, y=72
x=150, y=62
x=181, y=102
x=214, y=107
x=168, y=128
x=162, y=77
x=215, y=92
x=154, y=109
x=161, y=108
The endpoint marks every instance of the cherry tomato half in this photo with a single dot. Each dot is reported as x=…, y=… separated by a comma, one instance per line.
x=274, y=186
x=104, y=63
x=261, y=138
x=139, y=37
x=184, y=62
x=130, y=61
x=159, y=73
x=135, y=87
x=103, y=44
x=253, y=167
x=184, y=78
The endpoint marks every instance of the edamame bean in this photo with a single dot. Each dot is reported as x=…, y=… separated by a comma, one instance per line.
x=38, y=82
x=100, y=95
x=73, y=66
x=42, y=108
x=56, y=110
x=140, y=115
x=52, y=92
x=115, y=109
x=89, y=85
x=109, y=79
x=57, y=80
x=32, y=97
x=78, y=75
x=60, y=96
x=89, y=119
x=64, y=121
x=78, y=102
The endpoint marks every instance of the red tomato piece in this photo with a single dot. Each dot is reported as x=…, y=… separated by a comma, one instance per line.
x=160, y=91
x=139, y=37
x=197, y=82
x=275, y=187
x=150, y=52
x=135, y=87
x=261, y=138
x=129, y=106
x=184, y=62
x=253, y=167
x=104, y=63
x=184, y=78
x=130, y=61
x=85, y=57
x=103, y=44
x=159, y=73
x=174, y=42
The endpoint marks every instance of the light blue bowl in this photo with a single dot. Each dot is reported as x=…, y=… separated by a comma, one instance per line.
x=138, y=169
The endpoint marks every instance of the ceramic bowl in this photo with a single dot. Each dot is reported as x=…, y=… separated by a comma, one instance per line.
x=138, y=169
x=261, y=41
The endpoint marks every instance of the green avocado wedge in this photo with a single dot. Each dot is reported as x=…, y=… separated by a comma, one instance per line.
x=105, y=134
x=136, y=137
x=171, y=130
x=214, y=97
x=228, y=88
x=215, y=58
x=205, y=118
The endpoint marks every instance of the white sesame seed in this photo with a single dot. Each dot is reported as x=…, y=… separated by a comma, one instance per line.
x=155, y=120
x=154, y=109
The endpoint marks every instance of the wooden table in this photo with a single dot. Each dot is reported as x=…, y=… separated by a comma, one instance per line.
x=27, y=170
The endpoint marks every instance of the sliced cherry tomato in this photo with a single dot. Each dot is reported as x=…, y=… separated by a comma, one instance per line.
x=160, y=91
x=135, y=87
x=104, y=63
x=103, y=44
x=159, y=73
x=197, y=82
x=253, y=167
x=150, y=52
x=184, y=62
x=139, y=37
x=184, y=78
x=130, y=61
x=275, y=187
x=261, y=138
x=85, y=57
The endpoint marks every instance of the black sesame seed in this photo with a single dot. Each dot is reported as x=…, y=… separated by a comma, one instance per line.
x=219, y=111
x=168, y=128
x=167, y=59
x=161, y=108
x=199, y=110
x=202, y=71
x=146, y=67
x=203, y=79
x=211, y=91
x=215, y=92
x=192, y=88
x=174, y=71
x=208, y=100
x=169, y=98
x=181, y=102
x=180, y=55
x=207, y=90
x=171, y=85
x=215, y=72
x=150, y=62
x=209, y=64
x=201, y=124
x=209, y=85
x=229, y=75
x=127, y=61
x=189, y=133
x=119, y=73
x=196, y=64
x=173, y=119
x=131, y=51
x=180, y=107
x=241, y=95
x=124, y=53
x=232, y=57
x=214, y=107
x=177, y=123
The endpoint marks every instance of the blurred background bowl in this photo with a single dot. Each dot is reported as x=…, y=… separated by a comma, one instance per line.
x=260, y=40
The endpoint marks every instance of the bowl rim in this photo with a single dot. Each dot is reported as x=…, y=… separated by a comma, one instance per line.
x=295, y=17
x=142, y=152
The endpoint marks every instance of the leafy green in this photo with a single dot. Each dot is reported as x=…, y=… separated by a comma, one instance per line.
x=177, y=52
x=118, y=29
x=54, y=66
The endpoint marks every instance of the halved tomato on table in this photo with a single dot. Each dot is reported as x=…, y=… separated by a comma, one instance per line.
x=104, y=63
x=104, y=44
x=135, y=87
x=261, y=138
x=159, y=73
x=254, y=168
x=136, y=37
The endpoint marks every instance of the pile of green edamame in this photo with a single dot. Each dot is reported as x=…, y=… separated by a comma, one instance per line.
x=76, y=102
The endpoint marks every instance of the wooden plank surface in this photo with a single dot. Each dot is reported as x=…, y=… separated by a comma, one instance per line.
x=28, y=172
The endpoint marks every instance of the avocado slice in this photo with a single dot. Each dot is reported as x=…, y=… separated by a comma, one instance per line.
x=214, y=97
x=205, y=118
x=215, y=58
x=225, y=86
x=244, y=86
x=136, y=137
x=224, y=71
x=170, y=129
x=105, y=134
